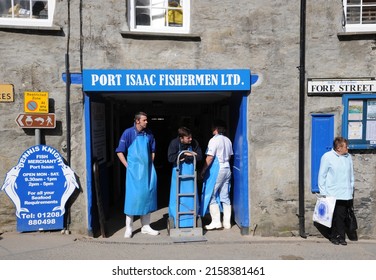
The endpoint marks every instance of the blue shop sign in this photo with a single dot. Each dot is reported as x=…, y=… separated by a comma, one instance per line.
x=39, y=186
x=166, y=80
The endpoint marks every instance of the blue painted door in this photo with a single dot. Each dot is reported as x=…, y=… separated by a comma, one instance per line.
x=322, y=141
x=240, y=164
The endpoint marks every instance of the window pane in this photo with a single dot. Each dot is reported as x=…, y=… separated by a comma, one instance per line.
x=175, y=13
x=160, y=16
x=369, y=2
x=369, y=15
x=353, y=2
x=143, y=12
x=39, y=9
x=151, y=14
x=142, y=2
x=4, y=8
x=21, y=9
x=142, y=16
x=353, y=15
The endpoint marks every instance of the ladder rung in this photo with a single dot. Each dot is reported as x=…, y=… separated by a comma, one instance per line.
x=186, y=213
x=186, y=194
x=186, y=176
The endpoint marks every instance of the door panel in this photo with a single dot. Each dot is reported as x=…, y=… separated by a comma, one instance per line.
x=95, y=119
x=240, y=165
x=322, y=139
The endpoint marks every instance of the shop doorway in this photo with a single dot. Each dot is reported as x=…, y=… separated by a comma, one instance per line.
x=166, y=112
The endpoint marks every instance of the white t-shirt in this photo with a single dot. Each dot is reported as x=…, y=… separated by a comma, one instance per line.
x=221, y=147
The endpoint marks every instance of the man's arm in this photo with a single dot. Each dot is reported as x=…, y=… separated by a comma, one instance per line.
x=207, y=163
x=122, y=159
x=173, y=151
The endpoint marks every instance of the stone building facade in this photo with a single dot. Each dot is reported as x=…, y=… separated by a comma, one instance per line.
x=264, y=37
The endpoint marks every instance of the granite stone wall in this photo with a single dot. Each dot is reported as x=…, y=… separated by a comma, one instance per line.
x=263, y=36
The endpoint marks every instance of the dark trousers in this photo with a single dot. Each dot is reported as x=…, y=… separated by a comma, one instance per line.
x=338, y=224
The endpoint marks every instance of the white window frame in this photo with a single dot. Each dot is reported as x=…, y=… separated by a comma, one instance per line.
x=32, y=22
x=160, y=28
x=357, y=27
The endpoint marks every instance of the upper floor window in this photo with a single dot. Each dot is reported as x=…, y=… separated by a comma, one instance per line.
x=360, y=15
x=168, y=16
x=26, y=12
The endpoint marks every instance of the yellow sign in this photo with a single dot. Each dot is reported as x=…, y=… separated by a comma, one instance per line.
x=36, y=102
x=6, y=93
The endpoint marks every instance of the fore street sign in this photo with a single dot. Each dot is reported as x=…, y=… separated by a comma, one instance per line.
x=335, y=87
x=36, y=120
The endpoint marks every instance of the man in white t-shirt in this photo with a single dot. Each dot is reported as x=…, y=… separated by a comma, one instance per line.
x=216, y=173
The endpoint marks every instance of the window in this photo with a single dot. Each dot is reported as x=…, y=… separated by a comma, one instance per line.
x=360, y=15
x=26, y=12
x=359, y=120
x=166, y=16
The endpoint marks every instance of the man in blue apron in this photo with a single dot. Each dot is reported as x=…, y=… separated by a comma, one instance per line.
x=216, y=173
x=136, y=151
x=183, y=142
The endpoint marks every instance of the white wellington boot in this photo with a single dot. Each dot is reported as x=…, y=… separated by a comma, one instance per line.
x=146, y=229
x=128, y=226
x=226, y=216
x=215, y=216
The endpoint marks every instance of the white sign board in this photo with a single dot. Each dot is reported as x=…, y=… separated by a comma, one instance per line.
x=333, y=87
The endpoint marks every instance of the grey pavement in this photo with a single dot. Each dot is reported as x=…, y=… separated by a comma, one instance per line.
x=218, y=245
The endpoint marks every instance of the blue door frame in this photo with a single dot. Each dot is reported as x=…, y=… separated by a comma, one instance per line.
x=89, y=163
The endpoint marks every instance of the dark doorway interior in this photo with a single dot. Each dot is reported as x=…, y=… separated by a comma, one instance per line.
x=165, y=115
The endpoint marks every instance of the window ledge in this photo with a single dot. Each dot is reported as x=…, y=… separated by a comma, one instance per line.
x=349, y=36
x=40, y=30
x=160, y=36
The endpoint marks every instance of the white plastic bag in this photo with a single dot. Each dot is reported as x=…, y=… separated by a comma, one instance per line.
x=324, y=208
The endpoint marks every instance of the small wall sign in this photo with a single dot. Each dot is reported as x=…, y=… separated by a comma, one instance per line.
x=36, y=102
x=337, y=87
x=6, y=93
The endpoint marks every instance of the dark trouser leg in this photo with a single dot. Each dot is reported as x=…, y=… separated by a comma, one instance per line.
x=339, y=215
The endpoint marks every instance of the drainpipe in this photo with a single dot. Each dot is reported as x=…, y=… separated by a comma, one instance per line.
x=301, y=117
x=67, y=109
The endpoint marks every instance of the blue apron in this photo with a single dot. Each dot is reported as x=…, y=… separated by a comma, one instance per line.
x=186, y=204
x=208, y=186
x=141, y=179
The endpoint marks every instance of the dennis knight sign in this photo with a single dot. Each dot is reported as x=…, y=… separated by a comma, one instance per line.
x=39, y=186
